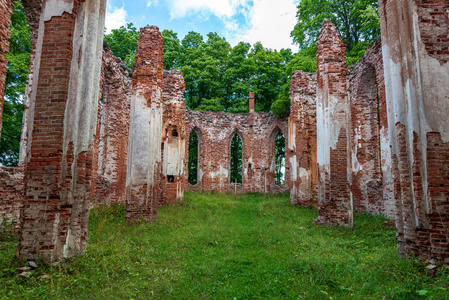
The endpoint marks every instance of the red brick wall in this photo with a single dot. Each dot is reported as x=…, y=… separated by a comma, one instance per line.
x=415, y=51
x=43, y=170
x=257, y=130
x=114, y=129
x=173, y=137
x=59, y=167
x=433, y=20
x=5, y=21
x=333, y=130
x=144, y=156
x=372, y=189
x=11, y=191
x=302, y=139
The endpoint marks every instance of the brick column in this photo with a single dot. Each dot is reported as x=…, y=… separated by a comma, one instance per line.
x=145, y=137
x=114, y=129
x=333, y=130
x=6, y=8
x=251, y=102
x=302, y=139
x=415, y=55
x=61, y=131
x=173, y=136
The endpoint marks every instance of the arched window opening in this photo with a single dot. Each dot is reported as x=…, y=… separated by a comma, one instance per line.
x=279, y=158
x=193, y=158
x=236, y=159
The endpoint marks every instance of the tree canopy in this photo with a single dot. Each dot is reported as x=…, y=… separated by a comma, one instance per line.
x=16, y=77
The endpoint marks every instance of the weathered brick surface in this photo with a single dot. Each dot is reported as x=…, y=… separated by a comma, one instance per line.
x=173, y=137
x=59, y=161
x=145, y=137
x=302, y=139
x=333, y=130
x=11, y=195
x=433, y=20
x=372, y=183
x=114, y=129
x=257, y=131
x=415, y=54
x=6, y=8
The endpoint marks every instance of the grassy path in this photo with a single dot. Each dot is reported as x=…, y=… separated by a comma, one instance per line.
x=224, y=247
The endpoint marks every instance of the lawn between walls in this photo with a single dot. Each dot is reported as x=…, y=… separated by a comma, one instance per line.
x=221, y=246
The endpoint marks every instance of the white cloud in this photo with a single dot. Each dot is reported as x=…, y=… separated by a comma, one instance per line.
x=220, y=8
x=115, y=17
x=150, y=2
x=270, y=22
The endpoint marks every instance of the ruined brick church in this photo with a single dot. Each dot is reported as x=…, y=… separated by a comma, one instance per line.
x=373, y=138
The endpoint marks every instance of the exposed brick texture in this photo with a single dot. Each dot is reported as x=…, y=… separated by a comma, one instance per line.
x=333, y=130
x=173, y=137
x=114, y=129
x=372, y=184
x=257, y=131
x=6, y=8
x=302, y=139
x=415, y=55
x=145, y=137
x=58, y=164
x=11, y=191
x=433, y=20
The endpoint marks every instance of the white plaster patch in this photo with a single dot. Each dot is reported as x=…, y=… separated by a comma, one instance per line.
x=57, y=8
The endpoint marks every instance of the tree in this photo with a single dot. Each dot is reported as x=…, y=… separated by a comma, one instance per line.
x=172, y=50
x=354, y=20
x=123, y=43
x=16, y=77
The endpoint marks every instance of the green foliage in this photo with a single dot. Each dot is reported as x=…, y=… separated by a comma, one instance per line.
x=16, y=77
x=236, y=159
x=123, y=43
x=279, y=158
x=172, y=50
x=215, y=246
x=304, y=60
x=356, y=20
x=193, y=158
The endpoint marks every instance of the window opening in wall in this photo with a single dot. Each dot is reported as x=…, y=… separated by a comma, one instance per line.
x=279, y=158
x=236, y=159
x=174, y=132
x=171, y=178
x=193, y=158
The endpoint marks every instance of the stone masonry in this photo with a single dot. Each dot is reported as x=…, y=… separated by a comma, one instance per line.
x=11, y=191
x=114, y=128
x=61, y=130
x=302, y=137
x=372, y=181
x=173, y=137
x=6, y=8
x=257, y=131
x=333, y=130
x=415, y=47
x=145, y=136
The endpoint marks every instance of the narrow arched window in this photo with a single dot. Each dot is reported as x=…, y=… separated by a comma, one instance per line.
x=193, y=158
x=236, y=159
x=279, y=158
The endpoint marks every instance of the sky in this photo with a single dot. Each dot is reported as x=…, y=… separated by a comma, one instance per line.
x=267, y=21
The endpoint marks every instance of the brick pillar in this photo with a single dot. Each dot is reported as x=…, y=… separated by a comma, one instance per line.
x=372, y=183
x=145, y=137
x=173, y=136
x=6, y=8
x=333, y=130
x=251, y=102
x=114, y=129
x=61, y=132
x=302, y=139
x=415, y=55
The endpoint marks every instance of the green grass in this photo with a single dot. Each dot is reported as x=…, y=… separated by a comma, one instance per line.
x=215, y=246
